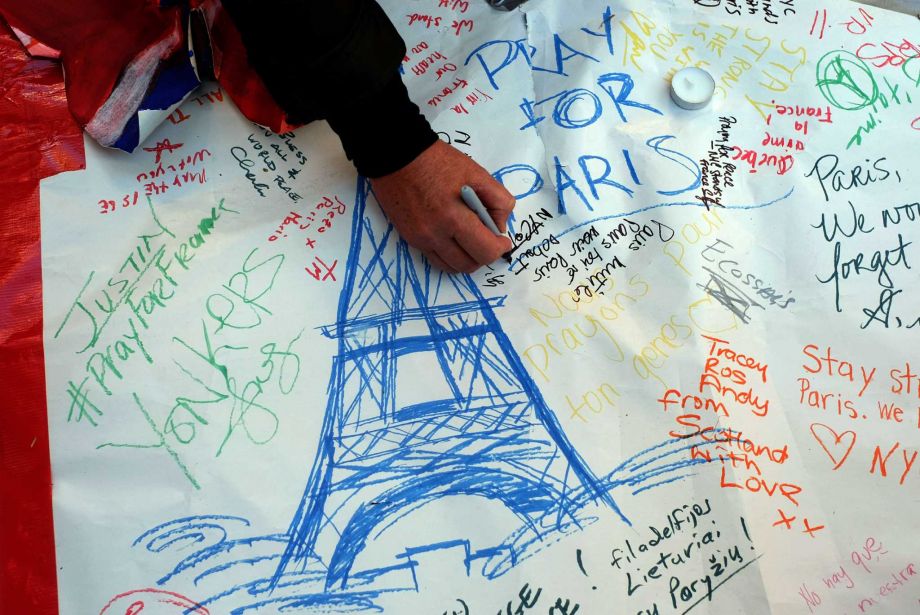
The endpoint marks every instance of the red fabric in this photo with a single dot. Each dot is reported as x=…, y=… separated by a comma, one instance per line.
x=39, y=138
x=232, y=70
x=96, y=40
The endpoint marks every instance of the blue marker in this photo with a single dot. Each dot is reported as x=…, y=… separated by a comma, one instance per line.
x=472, y=201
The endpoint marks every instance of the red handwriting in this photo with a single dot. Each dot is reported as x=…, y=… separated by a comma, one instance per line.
x=213, y=97
x=164, y=176
x=160, y=170
x=421, y=67
x=436, y=60
x=162, y=146
x=725, y=367
x=473, y=98
x=871, y=552
x=322, y=215
x=880, y=461
x=448, y=67
x=787, y=522
x=436, y=63
x=328, y=210
x=134, y=602
x=178, y=116
x=822, y=115
x=799, y=125
x=320, y=268
x=428, y=20
x=889, y=587
x=460, y=6
x=827, y=363
x=838, y=446
x=178, y=181
x=820, y=18
x=858, y=24
x=905, y=382
x=824, y=399
x=837, y=578
x=458, y=26
x=786, y=142
x=756, y=160
x=321, y=218
x=755, y=482
x=827, y=373
x=730, y=376
x=894, y=54
x=840, y=578
x=175, y=174
x=742, y=459
x=292, y=218
x=458, y=84
x=417, y=49
x=107, y=205
x=792, y=118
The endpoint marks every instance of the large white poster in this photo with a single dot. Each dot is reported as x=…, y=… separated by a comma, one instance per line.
x=695, y=388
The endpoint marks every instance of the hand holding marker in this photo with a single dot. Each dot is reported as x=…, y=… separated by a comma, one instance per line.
x=472, y=201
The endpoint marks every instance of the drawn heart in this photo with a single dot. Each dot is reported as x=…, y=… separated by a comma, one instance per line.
x=836, y=441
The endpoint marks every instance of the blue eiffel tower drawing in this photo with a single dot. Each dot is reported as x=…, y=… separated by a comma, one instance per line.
x=482, y=428
x=477, y=427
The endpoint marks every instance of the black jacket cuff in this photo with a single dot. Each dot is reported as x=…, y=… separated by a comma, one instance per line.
x=383, y=132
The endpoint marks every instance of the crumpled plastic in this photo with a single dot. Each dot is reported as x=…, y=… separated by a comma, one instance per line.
x=123, y=58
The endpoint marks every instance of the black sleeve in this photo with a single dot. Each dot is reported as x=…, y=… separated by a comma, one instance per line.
x=337, y=60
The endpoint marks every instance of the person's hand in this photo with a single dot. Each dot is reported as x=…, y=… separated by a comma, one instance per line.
x=423, y=202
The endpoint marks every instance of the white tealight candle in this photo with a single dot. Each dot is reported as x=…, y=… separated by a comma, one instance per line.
x=692, y=88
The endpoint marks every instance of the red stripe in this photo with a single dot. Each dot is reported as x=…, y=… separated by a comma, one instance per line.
x=40, y=138
x=96, y=39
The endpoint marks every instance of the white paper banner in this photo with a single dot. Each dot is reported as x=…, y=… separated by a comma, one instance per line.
x=696, y=388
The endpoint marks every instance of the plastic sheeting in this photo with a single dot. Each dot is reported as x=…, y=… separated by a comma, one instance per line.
x=39, y=138
x=128, y=64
